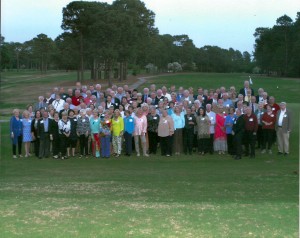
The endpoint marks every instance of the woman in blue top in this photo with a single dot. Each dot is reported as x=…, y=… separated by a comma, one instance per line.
x=16, y=131
x=27, y=137
x=179, y=123
x=95, y=124
x=229, y=120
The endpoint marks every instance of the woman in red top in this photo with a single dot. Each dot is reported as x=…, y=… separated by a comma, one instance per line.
x=268, y=128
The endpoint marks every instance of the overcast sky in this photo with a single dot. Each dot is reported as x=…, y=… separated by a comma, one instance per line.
x=224, y=23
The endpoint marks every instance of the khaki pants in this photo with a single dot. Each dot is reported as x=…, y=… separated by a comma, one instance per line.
x=141, y=138
x=283, y=141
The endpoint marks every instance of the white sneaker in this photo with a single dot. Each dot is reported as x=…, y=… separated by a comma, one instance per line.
x=138, y=155
x=15, y=157
x=146, y=155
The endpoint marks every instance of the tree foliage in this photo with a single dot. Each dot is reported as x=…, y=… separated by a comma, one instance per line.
x=277, y=49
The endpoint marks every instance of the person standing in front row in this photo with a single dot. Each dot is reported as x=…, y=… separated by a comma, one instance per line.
x=95, y=125
x=283, y=128
x=16, y=128
x=117, y=127
x=165, y=133
x=44, y=135
x=188, y=131
x=128, y=130
x=238, y=129
x=251, y=126
x=153, y=120
x=83, y=131
x=64, y=127
x=179, y=122
x=268, y=127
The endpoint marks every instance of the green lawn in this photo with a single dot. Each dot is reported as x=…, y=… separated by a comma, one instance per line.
x=191, y=196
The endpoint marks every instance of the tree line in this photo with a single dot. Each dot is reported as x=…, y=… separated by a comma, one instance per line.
x=277, y=49
x=110, y=39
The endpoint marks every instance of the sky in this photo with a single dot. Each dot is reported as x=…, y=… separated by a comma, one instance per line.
x=223, y=23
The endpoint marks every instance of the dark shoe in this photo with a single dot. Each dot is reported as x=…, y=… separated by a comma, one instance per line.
x=286, y=154
x=279, y=153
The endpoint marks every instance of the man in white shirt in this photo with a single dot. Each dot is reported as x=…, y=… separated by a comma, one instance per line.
x=58, y=103
x=283, y=128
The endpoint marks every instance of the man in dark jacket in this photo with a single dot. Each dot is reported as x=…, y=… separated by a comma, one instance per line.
x=238, y=129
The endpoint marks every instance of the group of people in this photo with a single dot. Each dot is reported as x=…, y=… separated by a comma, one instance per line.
x=105, y=123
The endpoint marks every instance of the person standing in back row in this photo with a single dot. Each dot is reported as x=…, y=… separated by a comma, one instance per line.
x=283, y=128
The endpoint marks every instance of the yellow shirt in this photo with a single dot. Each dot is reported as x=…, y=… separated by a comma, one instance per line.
x=117, y=126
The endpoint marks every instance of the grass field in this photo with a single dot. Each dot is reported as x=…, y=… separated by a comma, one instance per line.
x=191, y=196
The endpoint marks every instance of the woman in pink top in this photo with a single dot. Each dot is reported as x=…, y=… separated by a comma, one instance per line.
x=140, y=129
x=220, y=143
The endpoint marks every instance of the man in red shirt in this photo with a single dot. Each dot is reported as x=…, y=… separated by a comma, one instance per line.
x=251, y=126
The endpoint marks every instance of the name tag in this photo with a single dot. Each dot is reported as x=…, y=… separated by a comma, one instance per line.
x=41, y=122
x=202, y=119
x=116, y=104
x=21, y=120
x=154, y=118
x=160, y=99
x=234, y=122
x=224, y=116
x=96, y=120
x=130, y=120
x=156, y=106
x=167, y=107
x=190, y=102
x=75, y=119
x=90, y=100
x=272, y=115
x=165, y=121
x=142, y=120
x=224, y=112
x=29, y=121
x=227, y=105
x=78, y=100
x=251, y=119
x=83, y=120
x=203, y=98
x=130, y=102
x=107, y=121
x=261, y=113
x=211, y=118
x=190, y=118
x=273, y=109
x=285, y=116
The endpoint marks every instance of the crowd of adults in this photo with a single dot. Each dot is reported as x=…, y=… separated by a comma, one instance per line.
x=89, y=121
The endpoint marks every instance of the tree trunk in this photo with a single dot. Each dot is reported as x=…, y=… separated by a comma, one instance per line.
x=120, y=71
x=81, y=59
x=125, y=69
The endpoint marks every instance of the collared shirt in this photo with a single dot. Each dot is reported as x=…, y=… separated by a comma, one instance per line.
x=140, y=125
x=280, y=119
x=46, y=124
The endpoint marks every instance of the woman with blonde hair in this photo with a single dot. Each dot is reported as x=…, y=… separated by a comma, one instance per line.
x=27, y=137
x=16, y=128
x=117, y=127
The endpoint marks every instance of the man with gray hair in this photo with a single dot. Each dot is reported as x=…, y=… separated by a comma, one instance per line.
x=40, y=104
x=283, y=128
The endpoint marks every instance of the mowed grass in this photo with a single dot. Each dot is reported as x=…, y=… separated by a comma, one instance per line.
x=185, y=196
